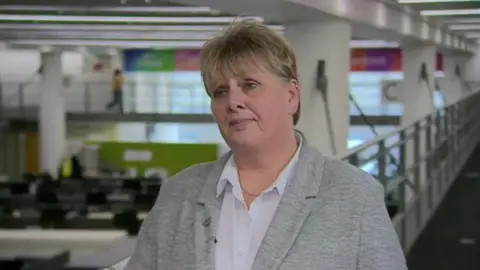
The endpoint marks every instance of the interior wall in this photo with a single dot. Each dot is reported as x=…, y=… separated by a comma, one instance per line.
x=21, y=65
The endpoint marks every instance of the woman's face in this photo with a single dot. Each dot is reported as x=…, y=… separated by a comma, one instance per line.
x=254, y=107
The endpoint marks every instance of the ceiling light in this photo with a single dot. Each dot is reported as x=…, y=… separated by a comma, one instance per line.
x=373, y=44
x=472, y=35
x=103, y=27
x=462, y=21
x=107, y=35
x=463, y=27
x=430, y=1
x=124, y=19
x=129, y=9
x=109, y=43
x=450, y=12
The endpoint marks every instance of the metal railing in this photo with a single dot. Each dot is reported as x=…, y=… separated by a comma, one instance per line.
x=428, y=155
x=93, y=96
x=176, y=97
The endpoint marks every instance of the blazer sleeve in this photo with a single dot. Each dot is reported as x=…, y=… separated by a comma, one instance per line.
x=154, y=235
x=144, y=256
x=146, y=251
x=379, y=247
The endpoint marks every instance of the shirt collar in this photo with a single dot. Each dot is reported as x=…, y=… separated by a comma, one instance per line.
x=230, y=174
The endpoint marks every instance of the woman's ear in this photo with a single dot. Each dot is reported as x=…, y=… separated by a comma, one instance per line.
x=294, y=95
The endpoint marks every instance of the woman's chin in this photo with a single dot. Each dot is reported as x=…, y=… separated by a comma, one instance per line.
x=243, y=139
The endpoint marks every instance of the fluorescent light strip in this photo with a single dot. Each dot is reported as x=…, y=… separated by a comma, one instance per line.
x=164, y=35
x=107, y=35
x=130, y=9
x=103, y=27
x=109, y=43
x=69, y=18
x=462, y=21
x=464, y=27
x=163, y=44
x=450, y=12
x=472, y=35
x=430, y=1
x=373, y=44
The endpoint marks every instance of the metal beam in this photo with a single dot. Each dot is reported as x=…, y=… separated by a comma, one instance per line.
x=120, y=19
x=28, y=118
x=112, y=9
x=114, y=27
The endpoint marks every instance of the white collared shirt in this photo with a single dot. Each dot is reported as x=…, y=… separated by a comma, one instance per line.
x=241, y=230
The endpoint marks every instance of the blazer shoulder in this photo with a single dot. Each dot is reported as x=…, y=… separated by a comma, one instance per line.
x=338, y=172
x=187, y=179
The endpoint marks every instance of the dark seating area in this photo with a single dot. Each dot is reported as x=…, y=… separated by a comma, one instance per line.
x=55, y=262
x=43, y=202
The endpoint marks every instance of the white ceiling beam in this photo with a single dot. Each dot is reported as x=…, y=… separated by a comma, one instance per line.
x=450, y=12
x=113, y=27
x=119, y=19
x=431, y=1
x=127, y=9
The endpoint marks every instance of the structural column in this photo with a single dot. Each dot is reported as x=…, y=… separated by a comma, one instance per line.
x=472, y=68
x=52, y=125
x=452, y=84
x=417, y=93
x=417, y=96
x=325, y=124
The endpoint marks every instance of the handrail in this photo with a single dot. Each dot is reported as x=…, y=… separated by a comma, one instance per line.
x=11, y=97
x=431, y=152
x=21, y=86
x=377, y=139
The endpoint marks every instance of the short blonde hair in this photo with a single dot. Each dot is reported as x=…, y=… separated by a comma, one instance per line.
x=246, y=42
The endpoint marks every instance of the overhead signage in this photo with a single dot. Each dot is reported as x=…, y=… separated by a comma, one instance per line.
x=153, y=60
x=149, y=60
x=187, y=60
x=382, y=59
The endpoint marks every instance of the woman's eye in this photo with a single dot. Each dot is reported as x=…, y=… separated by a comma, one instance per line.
x=219, y=93
x=250, y=85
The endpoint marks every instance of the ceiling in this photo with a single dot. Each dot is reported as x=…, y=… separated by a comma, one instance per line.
x=460, y=16
x=153, y=23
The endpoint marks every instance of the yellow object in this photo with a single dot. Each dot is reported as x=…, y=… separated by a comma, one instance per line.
x=117, y=82
x=67, y=167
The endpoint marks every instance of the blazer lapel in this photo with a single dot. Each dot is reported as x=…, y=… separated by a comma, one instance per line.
x=207, y=213
x=294, y=208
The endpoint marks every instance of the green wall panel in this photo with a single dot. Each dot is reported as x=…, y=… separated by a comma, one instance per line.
x=143, y=159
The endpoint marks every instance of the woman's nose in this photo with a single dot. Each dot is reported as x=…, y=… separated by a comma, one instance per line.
x=236, y=98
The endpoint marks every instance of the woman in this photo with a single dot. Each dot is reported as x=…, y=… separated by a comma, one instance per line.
x=273, y=202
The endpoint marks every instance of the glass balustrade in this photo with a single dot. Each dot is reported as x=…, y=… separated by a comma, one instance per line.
x=175, y=97
x=92, y=97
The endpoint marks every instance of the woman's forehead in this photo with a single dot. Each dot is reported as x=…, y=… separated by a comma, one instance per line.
x=235, y=70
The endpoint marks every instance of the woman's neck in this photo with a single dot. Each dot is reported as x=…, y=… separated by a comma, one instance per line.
x=273, y=156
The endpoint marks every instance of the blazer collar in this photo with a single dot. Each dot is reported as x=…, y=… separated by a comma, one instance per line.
x=295, y=206
x=207, y=215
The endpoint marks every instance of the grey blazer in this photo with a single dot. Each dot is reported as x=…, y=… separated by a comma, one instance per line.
x=332, y=216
